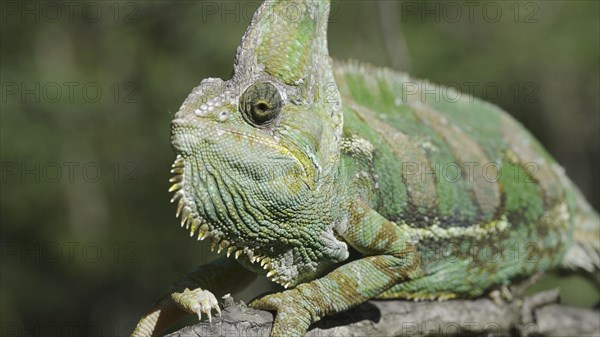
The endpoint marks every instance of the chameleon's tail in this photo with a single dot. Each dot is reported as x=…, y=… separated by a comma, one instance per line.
x=584, y=253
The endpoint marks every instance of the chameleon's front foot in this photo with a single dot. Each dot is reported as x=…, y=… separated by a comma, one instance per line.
x=197, y=301
x=174, y=306
x=180, y=300
x=293, y=317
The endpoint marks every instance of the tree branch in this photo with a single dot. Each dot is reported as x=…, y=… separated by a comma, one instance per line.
x=531, y=316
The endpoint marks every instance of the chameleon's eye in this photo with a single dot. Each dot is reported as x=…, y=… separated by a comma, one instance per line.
x=260, y=104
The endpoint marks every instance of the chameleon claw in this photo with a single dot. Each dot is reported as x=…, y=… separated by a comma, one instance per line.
x=197, y=301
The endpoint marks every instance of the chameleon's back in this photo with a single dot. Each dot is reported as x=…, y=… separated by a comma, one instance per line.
x=445, y=165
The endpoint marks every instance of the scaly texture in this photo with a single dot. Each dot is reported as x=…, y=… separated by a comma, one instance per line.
x=343, y=182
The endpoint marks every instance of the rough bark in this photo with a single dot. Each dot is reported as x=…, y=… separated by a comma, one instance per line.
x=533, y=316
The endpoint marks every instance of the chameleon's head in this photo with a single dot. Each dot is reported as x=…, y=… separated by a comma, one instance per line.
x=256, y=154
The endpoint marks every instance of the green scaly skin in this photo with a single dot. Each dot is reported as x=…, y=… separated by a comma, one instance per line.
x=298, y=161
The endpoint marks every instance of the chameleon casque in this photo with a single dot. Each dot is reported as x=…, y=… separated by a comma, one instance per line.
x=329, y=179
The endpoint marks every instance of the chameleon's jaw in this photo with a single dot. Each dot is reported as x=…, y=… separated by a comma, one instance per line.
x=192, y=221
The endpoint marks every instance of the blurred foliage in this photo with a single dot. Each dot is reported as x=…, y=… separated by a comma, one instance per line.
x=89, y=88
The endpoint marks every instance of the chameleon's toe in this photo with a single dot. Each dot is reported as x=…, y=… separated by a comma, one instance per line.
x=197, y=301
x=292, y=319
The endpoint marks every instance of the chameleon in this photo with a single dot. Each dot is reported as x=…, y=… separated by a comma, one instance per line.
x=342, y=182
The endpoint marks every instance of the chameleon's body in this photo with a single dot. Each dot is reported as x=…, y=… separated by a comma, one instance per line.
x=474, y=190
x=343, y=183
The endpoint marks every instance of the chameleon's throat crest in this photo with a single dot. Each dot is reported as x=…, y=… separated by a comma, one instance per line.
x=280, y=268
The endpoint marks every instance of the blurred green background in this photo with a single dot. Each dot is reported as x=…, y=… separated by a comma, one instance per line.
x=87, y=234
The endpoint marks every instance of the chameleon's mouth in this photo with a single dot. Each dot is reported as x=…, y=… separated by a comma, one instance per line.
x=204, y=228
